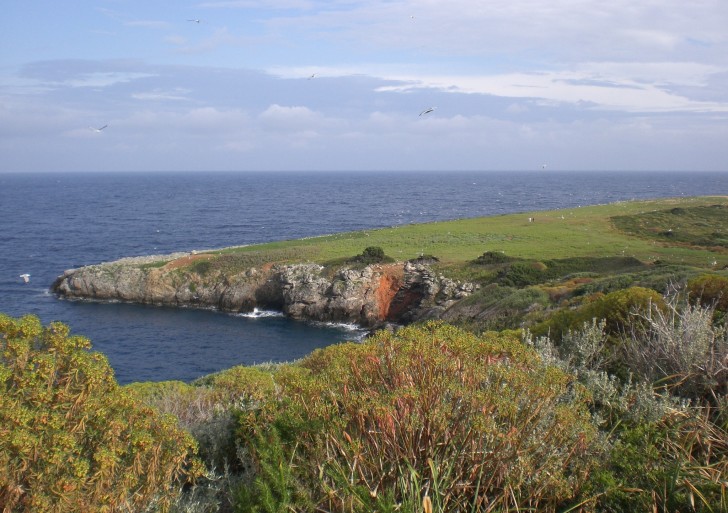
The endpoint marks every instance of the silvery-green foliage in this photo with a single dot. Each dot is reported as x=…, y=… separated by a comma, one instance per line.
x=211, y=494
x=584, y=349
x=682, y=349
x=581, y=354
x=579, y=350
x=646, y=405
x=546, y=350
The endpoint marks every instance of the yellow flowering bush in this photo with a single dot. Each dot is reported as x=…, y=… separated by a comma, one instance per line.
x=72, y=439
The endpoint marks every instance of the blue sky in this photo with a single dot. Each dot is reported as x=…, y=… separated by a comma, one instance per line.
x=574, y=84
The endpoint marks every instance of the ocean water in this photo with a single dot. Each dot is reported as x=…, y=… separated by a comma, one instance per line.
x=50, y=222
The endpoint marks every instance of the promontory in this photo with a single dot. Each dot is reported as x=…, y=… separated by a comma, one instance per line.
x=497, y=271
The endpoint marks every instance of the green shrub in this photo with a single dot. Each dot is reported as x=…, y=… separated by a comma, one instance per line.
x=371, y=255
x=710, y=290
x=523, y=274
x=664, y=454
x=206, y=408
x=475, y=423
x=619, y=309
x=493, y=257
x=201, y=267
x=71, y=439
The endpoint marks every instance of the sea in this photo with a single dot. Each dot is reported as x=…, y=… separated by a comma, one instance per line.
x=53, y=221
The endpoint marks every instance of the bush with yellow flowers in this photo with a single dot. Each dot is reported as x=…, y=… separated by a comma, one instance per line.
x=72, y=439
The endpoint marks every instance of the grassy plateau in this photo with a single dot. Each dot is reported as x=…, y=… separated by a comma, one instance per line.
x=634, y=229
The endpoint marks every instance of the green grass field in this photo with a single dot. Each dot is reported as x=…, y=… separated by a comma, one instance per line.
x=574, y=232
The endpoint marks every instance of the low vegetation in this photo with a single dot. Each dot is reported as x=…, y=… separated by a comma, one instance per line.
x=370, y=255
x=693, y=226
x=71, y=439
x=589, y=372
x=598, y=420
x=475, y=423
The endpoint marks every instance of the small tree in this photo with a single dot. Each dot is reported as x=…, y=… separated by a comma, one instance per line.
x=372, y=255
x=71, y=439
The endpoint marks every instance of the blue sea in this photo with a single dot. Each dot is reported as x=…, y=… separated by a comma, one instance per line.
x=50, y=222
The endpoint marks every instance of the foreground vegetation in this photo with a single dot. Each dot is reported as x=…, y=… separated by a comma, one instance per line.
x=578, y=378
x=430, y=418
x=71, y=439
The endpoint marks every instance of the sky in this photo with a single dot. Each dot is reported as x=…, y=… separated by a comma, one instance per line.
x=341, y=85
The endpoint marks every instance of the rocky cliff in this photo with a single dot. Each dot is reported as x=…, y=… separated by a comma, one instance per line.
x=377, y=294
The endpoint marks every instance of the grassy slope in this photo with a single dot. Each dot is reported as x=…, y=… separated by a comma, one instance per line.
x=586, y=231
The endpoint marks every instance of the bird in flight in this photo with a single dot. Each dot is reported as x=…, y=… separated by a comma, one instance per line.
x=195, y=20
x=312, y=76
x=427, y=111
x=98, y=129
x=26, y=277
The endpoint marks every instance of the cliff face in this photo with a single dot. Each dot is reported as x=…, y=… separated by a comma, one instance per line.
x=372, y=296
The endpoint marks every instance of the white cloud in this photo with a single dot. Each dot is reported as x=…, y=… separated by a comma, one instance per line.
x=103, y=79
x=291, y=119
x=601, y=85
x=513, y=80
x=178, y=94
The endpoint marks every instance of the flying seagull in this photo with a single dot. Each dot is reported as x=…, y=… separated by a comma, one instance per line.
x=312, y=76
x=427, y=111
x=98, y=129
x=196, y=21
x=26, y=277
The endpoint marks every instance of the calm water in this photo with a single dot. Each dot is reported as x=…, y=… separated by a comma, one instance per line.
x=52, y=222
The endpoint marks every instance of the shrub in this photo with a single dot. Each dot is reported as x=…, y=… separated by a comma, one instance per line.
x=207, y=409
x=493, y=257
x=371, y=255
x=710, y=290
x=523, y=274
x=664, y=455
x=474, y=423
x=619, y=309
x=678, y=347
x=201, y=267
x=71, y=439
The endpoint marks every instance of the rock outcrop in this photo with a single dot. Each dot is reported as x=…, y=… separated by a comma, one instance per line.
x=371, y=296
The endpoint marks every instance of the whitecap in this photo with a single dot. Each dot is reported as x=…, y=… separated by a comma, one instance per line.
x=257, y=314
x=356, y=332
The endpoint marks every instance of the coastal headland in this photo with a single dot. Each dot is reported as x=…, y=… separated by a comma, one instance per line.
x=447, y=270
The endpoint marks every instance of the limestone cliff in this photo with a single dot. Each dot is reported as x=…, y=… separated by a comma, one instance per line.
x=400, y=292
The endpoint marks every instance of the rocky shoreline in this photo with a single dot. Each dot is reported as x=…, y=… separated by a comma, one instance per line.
x=371, y=297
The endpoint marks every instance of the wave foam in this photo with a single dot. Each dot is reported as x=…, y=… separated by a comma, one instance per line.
x=257, y=314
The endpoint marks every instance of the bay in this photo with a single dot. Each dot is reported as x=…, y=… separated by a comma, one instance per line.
x=54, y=221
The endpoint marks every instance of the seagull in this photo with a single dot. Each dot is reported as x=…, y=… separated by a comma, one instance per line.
x=98, y=129
x=26, y=277
x=196, y=21
x=543, y=166
x=427, y=111
x=312, y=75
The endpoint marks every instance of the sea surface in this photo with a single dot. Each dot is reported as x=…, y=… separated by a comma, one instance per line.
x=50, y=222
